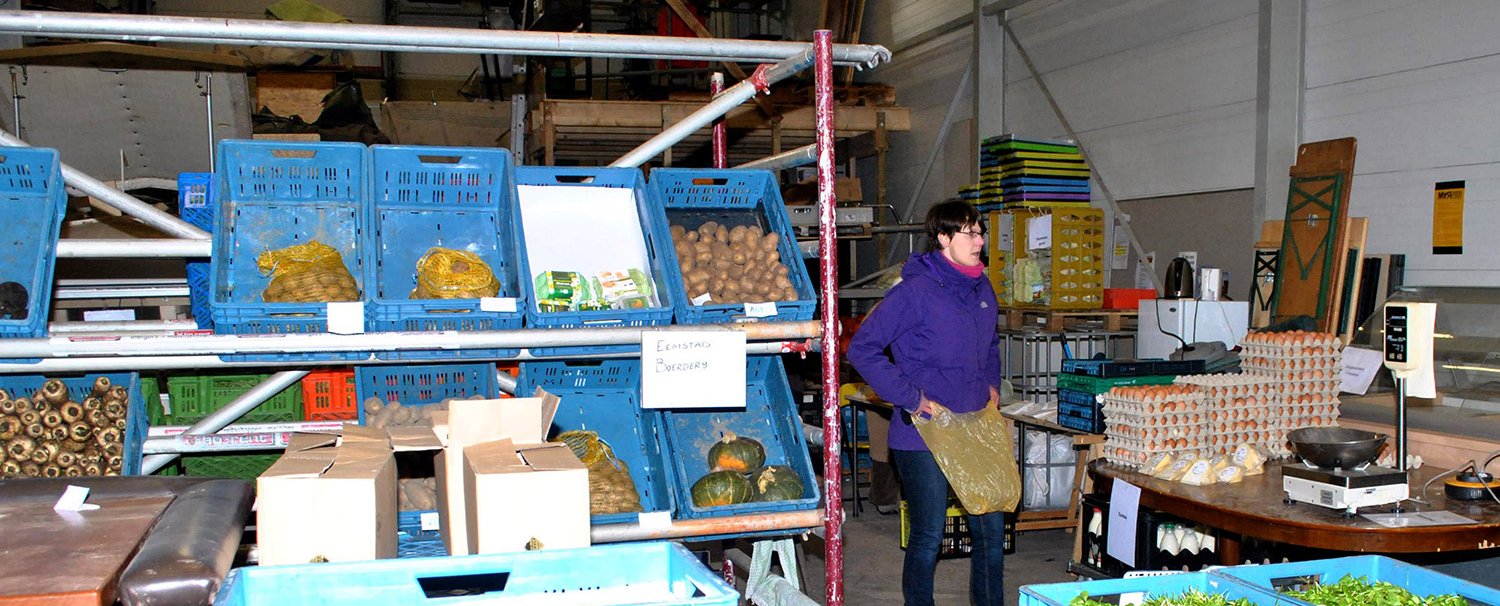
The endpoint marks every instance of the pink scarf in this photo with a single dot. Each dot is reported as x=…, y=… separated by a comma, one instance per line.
x=972, y=271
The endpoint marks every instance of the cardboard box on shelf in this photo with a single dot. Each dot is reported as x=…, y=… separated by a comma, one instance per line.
x=524, y=498
x=524, y=421
x=355, y=475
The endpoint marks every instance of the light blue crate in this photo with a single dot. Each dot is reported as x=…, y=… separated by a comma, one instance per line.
x=653, y=228
x=423, y=384
x=1416, y=579
x=454, y=197
x=1139, y=589
x=269, y=195
x=32, y=203
x=605, y=397
x=195, y=205
x=641, y=574
x=769, y=417
x=136, y=424
x=731, y=197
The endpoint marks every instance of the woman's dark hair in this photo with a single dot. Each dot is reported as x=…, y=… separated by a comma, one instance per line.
x=947, y=218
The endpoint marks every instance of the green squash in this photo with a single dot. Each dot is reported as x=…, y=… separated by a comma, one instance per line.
x=776, y=483
x=734, y=453
x=721, y=488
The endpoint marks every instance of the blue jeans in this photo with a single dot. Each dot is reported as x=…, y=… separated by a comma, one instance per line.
x=926, y=492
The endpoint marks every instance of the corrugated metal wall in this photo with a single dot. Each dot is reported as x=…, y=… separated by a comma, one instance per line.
x=1161, y=91
x=1418, y=83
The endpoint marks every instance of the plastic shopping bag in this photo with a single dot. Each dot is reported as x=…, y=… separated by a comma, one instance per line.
x=974, y=451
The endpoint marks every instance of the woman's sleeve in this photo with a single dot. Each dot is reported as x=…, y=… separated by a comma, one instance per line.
x=890, y=320
x=992, y=362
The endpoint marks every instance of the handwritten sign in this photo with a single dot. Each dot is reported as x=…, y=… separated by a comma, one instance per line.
x=1360, y=367
x=683, y=369
x=1124, y=506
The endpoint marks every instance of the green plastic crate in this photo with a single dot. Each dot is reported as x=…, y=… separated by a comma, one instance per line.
x=1096, y=385
x=237, y=466
x=151, y=396
x=195, y=397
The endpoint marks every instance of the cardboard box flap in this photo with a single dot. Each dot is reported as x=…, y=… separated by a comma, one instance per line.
x=523, y=420
x=302, y=442
x=499, y=456
x=414, y=438
x=362, y=436
x=551, y=457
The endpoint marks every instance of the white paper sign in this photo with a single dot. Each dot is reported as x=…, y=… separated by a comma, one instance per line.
x=1143, y=271
x=1120, y=257
x=1124, y=506
x=497, y=304
x=655, y=520
x=73, y=498
x=430, y=521
x=1360, y=367
x=692, y=369
x=346, y=317
x=760, y=310
x=1002, y=226
x=1039, y=232
x=109, y=315
x=701, y=299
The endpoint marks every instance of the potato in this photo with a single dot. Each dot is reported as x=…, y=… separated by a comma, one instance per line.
x=737, y=234
x=749, y=286
x=781, y=269
x=751, y=240
x=677, y=231
x=770, y=241
x=783, y=282
x=721, y=234
x=739, y=257
x=703, y=257
x=707, y=230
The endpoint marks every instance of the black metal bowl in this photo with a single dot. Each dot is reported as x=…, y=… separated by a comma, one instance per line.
x=1336, y=447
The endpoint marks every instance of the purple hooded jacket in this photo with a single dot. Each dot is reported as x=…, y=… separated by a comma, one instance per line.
x=939, y=326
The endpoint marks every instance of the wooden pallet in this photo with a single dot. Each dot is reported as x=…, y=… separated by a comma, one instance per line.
x=1058, y=320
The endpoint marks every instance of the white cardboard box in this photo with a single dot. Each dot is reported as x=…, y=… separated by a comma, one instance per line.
x=329, y=498
x=523, y=498
x=524, y=421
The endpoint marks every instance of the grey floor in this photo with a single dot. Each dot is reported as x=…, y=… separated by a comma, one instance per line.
x=873, y=555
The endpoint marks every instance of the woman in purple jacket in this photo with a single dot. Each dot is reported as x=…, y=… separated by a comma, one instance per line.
x=932, y=344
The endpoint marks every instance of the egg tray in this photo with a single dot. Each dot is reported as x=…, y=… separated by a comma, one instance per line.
x=1297, y=338
x=1140, y=408
x=1290, y=364
x=1137, y=451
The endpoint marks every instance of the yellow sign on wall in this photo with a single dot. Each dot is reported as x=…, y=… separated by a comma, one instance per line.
x=1448, y=218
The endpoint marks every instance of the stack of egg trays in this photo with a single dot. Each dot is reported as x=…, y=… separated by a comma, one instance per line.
x=1303, y=369
x=1241, y=409
x=1142, y=421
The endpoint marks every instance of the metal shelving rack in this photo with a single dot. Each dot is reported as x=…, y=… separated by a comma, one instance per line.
x=159, y=346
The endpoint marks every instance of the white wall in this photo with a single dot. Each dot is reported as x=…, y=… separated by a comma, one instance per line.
x=1418, y=83
x=1162, y=92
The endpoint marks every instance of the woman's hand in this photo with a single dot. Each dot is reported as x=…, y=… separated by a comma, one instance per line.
x=927, y=407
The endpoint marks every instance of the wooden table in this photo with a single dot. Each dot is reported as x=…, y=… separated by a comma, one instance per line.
x=66, y=559
x=1255, y=508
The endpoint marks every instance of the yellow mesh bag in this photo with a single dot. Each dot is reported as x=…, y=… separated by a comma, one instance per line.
x=306, y=273
x=444, y=273
x=611, y=489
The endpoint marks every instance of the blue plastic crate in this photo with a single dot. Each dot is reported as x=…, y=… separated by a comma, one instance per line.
x=769, y=417
x=452, y=197
x=269, y=195
x=32, y=202
x=420, y=385
x=658, y=247
x=195, y=206
x=650, y=573
x=79, y=387
x=1137, y=590
x=412, y=547
x=409, y=526
x=605, y=397
x=1416, y=579
x=732, y=197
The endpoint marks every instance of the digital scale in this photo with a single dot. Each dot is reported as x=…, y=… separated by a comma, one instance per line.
x=1346, y=489
x=1409, y=329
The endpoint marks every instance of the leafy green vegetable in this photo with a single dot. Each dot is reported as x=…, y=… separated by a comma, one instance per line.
x=1352, y=591
x=1192, y=597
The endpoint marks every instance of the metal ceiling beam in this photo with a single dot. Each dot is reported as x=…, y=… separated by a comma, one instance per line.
x=351, y=36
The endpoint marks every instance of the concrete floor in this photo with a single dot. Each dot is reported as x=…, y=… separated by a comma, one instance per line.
x=873, y=556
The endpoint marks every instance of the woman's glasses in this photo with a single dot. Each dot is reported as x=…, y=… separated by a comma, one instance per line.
x=973, y=234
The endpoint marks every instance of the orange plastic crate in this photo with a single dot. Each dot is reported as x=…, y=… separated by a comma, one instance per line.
x=328, y=395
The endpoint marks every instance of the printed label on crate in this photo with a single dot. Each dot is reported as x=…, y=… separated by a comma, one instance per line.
x=760, y=310
x=498, y=304
x=429, y=521
x=241, y=441
x=701, y=299
x=244, y=428
x=346, y=317
x=655, y=520
x=692, y=369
